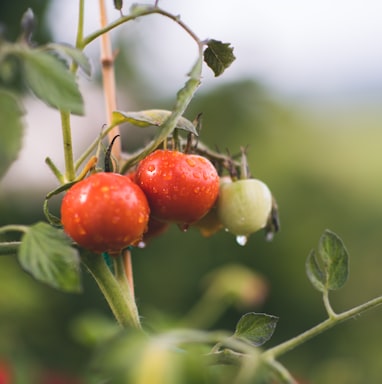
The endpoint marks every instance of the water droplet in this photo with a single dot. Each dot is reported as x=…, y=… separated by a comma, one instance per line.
x=241, y=240
x=151, y=168
x=191, y=162
x=141, y=244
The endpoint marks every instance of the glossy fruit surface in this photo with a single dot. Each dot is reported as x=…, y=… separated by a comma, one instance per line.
x=210, y=224
x=244, y=206
x=180, y=187
x=105, y=212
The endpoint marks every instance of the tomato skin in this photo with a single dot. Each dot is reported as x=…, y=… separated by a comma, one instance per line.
x=105, y=212
x=244, y=206
x=210, y=224
x=180, y=187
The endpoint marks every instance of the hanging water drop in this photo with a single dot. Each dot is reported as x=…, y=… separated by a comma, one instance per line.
x=141, y=244
x=184, y=227
x=241, y=240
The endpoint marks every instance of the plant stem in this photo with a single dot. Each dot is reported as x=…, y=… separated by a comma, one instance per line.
x=108, y=77
x=335, y=319
x=9, y=248
x=80, y=23
x=128, y=268
x=144, y=12
x=60, y=177
x=124, y=277
x=13, y=228
x=327, y=304
x=116, y=295
x=70, y=173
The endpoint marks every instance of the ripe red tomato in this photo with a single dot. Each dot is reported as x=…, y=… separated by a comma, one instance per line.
x=105, y=212
x=180, y=187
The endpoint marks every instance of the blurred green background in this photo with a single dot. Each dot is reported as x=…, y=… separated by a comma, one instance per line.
x=322, y=163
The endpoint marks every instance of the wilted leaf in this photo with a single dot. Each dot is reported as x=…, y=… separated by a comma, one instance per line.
x=218, y=56
x=151, y=117
x=45, y=252
x=51, y=81
x=332, y=251
x=73, y=53
x=315, y=274
x=11, y=129
x=257, y=328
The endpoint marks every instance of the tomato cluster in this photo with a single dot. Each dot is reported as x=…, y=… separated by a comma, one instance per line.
x=107, y=212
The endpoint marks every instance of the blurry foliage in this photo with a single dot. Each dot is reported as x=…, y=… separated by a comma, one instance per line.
x=10, y=16
x=10, y=19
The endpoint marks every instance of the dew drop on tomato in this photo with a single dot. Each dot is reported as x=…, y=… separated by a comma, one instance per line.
x=241, y=240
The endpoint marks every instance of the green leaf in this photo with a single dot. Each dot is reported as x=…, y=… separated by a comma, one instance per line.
x=73, y=53
x=118, y=4
x=257, y=328
x=11, y=129
x=218, y=56
x=151, y=117
x=46, y=253
x=333, y=253
x=51, y=81
x=315, y=274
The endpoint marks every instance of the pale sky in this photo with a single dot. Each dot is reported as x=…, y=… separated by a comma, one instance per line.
x=296, y=46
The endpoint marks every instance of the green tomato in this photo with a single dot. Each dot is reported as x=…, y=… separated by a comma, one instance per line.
x=244, y=206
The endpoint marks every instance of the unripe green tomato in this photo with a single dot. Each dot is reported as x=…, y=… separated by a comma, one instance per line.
x=244, y=206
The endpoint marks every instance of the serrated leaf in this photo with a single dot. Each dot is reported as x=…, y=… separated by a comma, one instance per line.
x=73, y=53
x=334, y=254
x=218, y=56
x=151, y=117
x=315, y=274
x=257, y=328
x=46, y=253
x=11, y=129
x=51, y=81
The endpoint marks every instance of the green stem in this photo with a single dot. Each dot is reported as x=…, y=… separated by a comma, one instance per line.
x=327, y=304
x=13, y=228
x=80, y=24
x=9, y=248
x=55, y=170
x=282, y=372
x=282, y=348
x=120, y=275
x=70, y=173
x=144, y=12
x=123, y=309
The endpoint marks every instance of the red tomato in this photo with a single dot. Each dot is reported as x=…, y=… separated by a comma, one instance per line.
x=6, y=376
x=180, y=187
x=105, y=212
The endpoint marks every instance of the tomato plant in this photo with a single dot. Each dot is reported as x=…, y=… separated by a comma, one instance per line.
x=105, y=212
x=180, y=187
